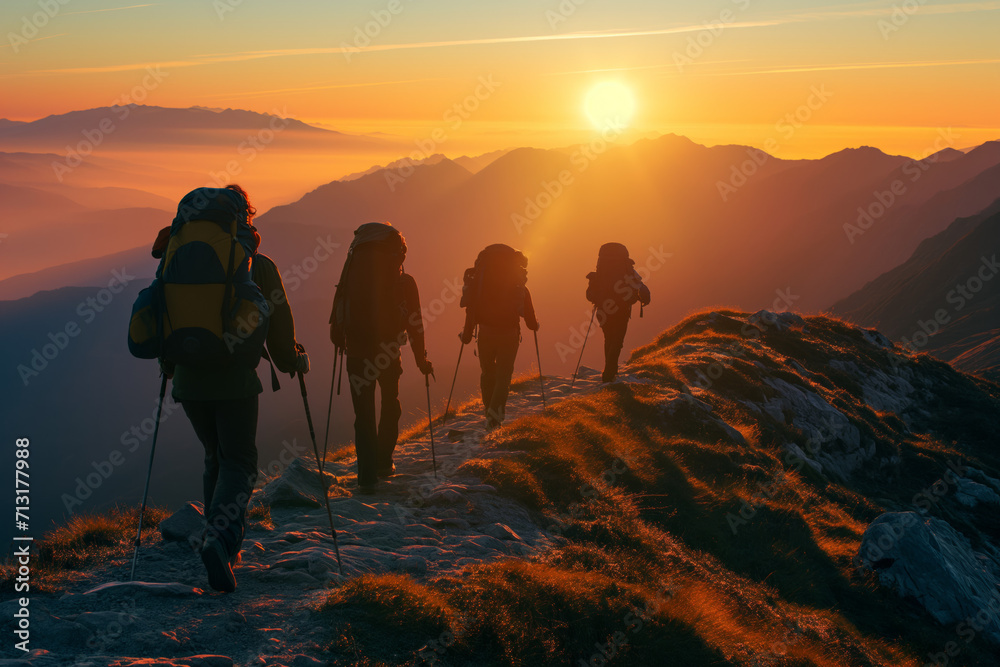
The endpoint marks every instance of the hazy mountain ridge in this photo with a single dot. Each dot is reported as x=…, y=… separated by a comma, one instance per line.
x=929, y=303
x=720, y=492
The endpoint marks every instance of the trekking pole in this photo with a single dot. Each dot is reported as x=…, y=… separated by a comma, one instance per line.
x=541, y=378
x=430, y=423
x=149, y=473
x=322, y=472
x=329, y=407
x=343, y=353
x=459, y=363
x=584, y=346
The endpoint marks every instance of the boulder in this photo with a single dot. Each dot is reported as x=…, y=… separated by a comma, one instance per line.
x=184, y=525
x=298, y=486
x=928, y=560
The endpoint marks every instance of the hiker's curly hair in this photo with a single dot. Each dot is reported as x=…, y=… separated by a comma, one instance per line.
x=251, y=210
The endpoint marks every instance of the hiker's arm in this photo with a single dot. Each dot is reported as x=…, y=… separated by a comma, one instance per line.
x=415, y=324
x=529, y=311
x=470, y=326
x=281, y=328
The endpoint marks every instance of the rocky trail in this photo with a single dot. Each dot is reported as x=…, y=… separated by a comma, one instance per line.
x=425, y=526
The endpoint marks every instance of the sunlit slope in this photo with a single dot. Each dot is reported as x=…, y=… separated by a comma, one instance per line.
x=712, y=504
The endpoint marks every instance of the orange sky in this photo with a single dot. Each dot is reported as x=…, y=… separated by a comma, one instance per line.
x=811, y=77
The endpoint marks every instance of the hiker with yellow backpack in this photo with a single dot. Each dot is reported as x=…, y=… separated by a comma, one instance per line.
x=213, y=305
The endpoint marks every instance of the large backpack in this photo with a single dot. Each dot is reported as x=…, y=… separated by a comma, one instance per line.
x=368, y=304
x=203, y=309
x=614, y=282
x=493, y=289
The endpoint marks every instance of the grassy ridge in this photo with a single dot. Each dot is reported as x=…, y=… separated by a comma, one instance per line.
x=646, y=483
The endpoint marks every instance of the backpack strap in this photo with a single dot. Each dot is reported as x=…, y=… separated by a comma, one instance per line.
x=275, y=385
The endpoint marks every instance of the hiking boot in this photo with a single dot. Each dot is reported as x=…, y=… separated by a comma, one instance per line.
x=217, y=565
x=608, y=377
x=386, y=472
x=366, y=489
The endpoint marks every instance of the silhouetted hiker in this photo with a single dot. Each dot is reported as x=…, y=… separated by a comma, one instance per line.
x=613, y=289
x=495, y=299
x=375, y=309
x=220, y=396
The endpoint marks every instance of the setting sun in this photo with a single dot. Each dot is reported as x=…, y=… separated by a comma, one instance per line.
x=610, y=103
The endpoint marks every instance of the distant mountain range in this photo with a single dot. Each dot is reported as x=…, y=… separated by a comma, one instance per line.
x=163, y=127
x=945, y=299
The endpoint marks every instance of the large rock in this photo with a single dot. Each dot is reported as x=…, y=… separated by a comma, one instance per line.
x=184, y=525
x=297, y=486
x=925, y=558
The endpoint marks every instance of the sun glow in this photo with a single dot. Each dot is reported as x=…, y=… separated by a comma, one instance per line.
x=610, y=104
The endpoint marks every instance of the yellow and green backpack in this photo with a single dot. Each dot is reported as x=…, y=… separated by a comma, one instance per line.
x=203, y=308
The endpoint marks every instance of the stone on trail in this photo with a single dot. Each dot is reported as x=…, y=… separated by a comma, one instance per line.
x=298, y=486
x=184, y=525
x=134, y=587
x=501, y=532
x=925, y=558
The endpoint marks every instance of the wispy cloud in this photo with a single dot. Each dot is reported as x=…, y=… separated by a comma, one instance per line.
x=824, y=14
x=110, y=9
x=37, y=39
x=859, y=66
x=211, y=58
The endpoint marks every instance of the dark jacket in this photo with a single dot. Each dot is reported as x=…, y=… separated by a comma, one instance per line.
x=505, y=321
x=405, y=300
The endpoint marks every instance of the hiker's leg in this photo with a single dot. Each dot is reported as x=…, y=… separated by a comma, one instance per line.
x=388, y=423
x=488, y=365
x=614, y=339
x=365, y=433
x=507, y=344
x=202, y=417
x=236, y=424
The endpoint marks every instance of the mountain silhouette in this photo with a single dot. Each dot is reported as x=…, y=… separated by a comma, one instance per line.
x=943, y=299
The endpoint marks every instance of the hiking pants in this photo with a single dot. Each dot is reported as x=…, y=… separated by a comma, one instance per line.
x=497, y=351
x=373, y=443
x=228, y=431
x=614, y=327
